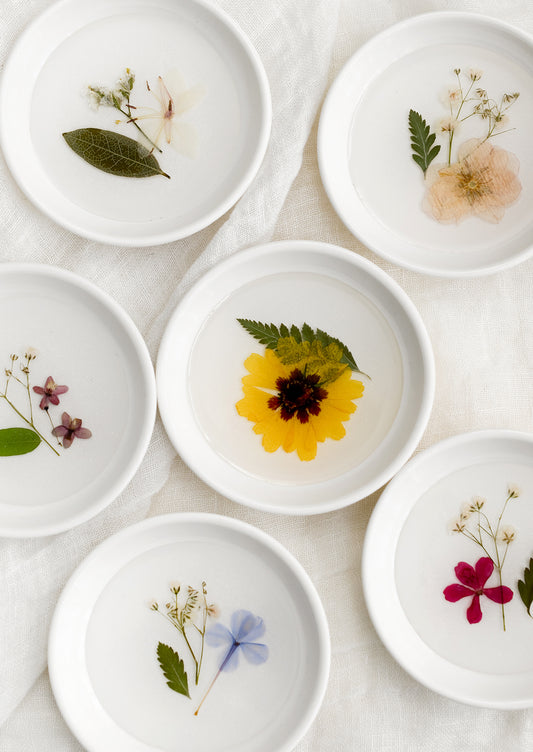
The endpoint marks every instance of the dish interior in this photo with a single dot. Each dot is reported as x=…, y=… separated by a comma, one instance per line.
x=428, y=551
x=259, y=706
x=151, y=44
x=216, y=369
x=391, y=185
x=79, y=343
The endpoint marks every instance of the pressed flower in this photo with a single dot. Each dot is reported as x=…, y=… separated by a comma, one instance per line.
x=457, y=526
x=475, y=74
x=472, y=585
x=483, y=182
x=70, y=429
x=513, y=491
x=477, y=504
x=245, y=630
x=164, y=122
x=50, y=392
x=447, y=124
x=293, y=407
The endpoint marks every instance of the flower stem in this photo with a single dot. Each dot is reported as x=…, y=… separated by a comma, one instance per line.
x=30, y=423
x=134, y=122
x=230, y=652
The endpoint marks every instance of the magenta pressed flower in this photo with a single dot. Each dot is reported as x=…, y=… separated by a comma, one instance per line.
x=472, y=585
x=70, y=429
x=50, y=393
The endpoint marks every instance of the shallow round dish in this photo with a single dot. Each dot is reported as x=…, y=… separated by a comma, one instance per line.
x=105, y=638
x=474, y=217
x=213, y=102
x=201, y=365
x=422, y=568
x=61, y=331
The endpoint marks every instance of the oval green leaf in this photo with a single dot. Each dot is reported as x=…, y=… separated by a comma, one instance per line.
x=15, y=441
x=113, y=153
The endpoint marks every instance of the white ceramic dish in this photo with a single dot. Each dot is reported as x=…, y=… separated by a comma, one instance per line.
x=201, y=365
x=365, y=154
x=85, y=341
x=221, y=127
x=104, y=638
x=411, y=552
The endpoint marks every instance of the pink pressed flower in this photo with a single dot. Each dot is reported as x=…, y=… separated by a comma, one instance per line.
x=50, y=393
x=473, y=585
x=70, y=429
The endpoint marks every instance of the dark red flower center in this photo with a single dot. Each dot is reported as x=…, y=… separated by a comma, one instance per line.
x=298, y=395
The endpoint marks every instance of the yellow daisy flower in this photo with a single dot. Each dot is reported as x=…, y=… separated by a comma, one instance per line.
x=295, y=409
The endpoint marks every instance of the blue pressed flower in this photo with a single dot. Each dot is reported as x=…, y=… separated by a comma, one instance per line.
x=245, y=630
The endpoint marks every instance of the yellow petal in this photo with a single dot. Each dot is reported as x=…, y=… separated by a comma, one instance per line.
x=305, y=440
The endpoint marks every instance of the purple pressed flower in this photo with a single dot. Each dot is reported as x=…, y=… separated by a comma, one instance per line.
x=245, y=630
x=70, y=429
x=50, y=393
x=473, y=586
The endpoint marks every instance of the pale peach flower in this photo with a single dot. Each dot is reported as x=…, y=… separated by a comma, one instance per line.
x=483, y=183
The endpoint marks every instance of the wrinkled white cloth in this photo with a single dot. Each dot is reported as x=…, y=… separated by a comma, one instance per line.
x=481, y=332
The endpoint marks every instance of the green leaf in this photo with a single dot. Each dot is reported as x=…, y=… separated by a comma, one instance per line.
x=347, y=358
x=113, y=153
x=15, y=441
x=308, y=334
x=290, y=351
x=266, y=334
x=173, y=669
x=525, y=587
x=296, y=333
x=293, y=345
x=422, y=141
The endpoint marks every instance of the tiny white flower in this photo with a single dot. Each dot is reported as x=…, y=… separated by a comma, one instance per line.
x=477, y=503
x=507, y=534
x=456, y=526
x=475, y=74
x=466, y=511
x=94, y=97
x=501, y=122
x=513, y=490
x=447, y=125
x=452, y=95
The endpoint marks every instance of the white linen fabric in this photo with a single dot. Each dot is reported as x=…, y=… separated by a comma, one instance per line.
x=481, y=332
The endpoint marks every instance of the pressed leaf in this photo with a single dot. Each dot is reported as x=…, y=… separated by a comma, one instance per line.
x=293, y=345
x=290, y=351
x=113, y=153
x=422, y=141
x=173, y=669
x=525, y=587
x=266, y=334
x=346, y=357
x=308, y=334
x=296, y=333
x=14, y=441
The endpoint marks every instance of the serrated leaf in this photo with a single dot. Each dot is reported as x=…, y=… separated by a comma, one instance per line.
x=15, y=441
x=173, y=668
x=266, y=334
x=422, y=141
x=113, y=153
x=284, y=330
x=347, y=358
x=525, y=587
x=290, y=351
x=308, y=334
x=296, y=333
